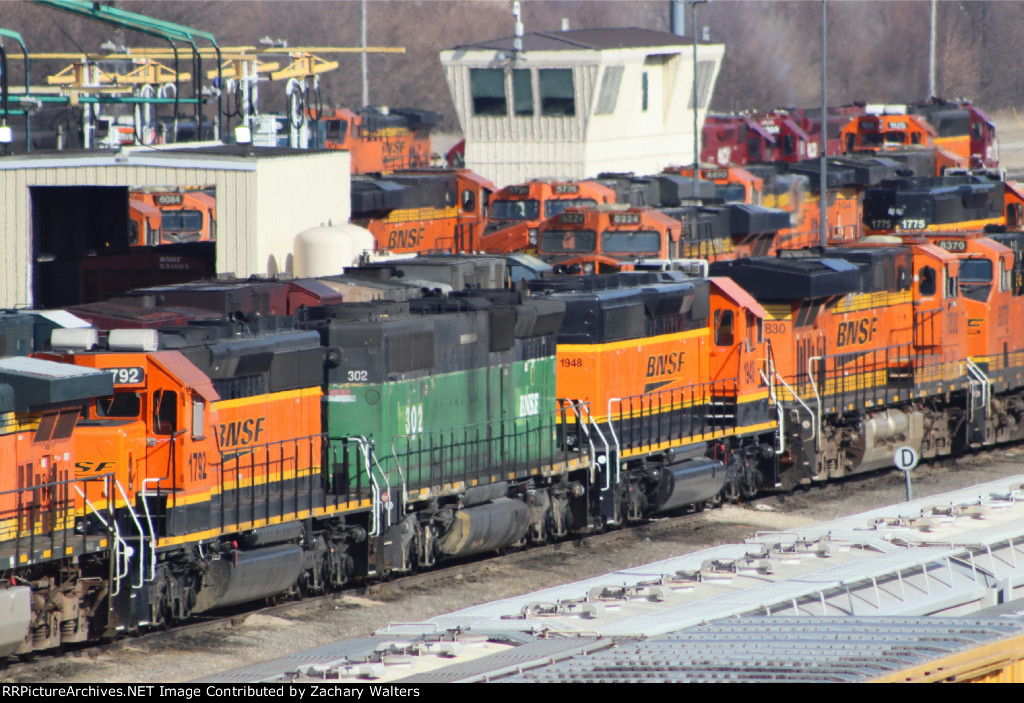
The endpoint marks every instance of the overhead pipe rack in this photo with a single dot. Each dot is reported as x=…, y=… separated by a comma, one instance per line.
x=167, y=31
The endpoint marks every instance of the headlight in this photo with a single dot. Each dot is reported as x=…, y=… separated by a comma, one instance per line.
x=588, y=268
x=533, y=236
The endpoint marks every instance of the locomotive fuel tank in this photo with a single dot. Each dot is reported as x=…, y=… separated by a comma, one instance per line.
x=882, y=433
x=16, y=607
x=486, y=527
x=687, y=482
x=244, y=575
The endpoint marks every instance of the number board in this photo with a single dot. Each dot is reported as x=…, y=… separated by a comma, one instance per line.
x=169, y=199
x=951, y=244
x=566, y=188
x=571, y=218
x=626, y=219
x=518, y=190
x=128, y=375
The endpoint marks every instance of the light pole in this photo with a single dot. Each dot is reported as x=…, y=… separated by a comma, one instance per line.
x=822, y=197
x=362, y=45
x=696, y=133
x=931, y=55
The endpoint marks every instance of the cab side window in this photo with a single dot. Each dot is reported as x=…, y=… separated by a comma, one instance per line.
x=165, y=412
x=724, y=335
x=926, y=281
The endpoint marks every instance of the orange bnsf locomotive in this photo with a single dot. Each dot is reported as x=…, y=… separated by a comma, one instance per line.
x=195, y=466
x=667, y=372
x=608, y=239
x=423, y=211
x=161, y=473
x=869, y=351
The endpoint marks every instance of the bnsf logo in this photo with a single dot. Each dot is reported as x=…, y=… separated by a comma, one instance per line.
x=529, y=404
x=405, y=238
x=664, y=364
x=96, y=467
x=240, y=433
x=856, y=331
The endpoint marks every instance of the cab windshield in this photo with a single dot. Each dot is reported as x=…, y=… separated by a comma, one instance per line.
x=630, y=242
x=976, y=271
x=515, y=210
x=557, y=207
x=182, y=220
x=573, y=241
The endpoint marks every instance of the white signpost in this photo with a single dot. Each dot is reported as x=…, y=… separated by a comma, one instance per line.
x=905, y=458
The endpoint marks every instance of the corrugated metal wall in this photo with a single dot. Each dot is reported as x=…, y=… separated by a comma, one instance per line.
x=17, y=179
x=299, y=192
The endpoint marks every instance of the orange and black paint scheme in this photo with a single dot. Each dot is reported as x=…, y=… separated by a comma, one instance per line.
x=968, y=202
x=608, y=239
x=423, y=211
x=42, y=493
x=379, y=140
x=207, y=478
x=517, y=211
x=192, y=449
x=867, y=342
x=895, y=133
x=192, y=437
x=670, y=375
x=171, y=217
x=794, y=189
x=218, y=437
x=991, y=287
x=963, y=129
x=734, y=184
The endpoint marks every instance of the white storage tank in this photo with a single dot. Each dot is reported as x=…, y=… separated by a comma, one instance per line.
x=326, y=250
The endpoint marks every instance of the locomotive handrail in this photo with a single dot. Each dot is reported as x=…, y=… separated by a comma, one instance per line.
x=983, y=380
x=401, y=474
x=577, y=406
x=769, y=367
x=618, y=449
x=149, y=522
x=444, y=458
x=401, y=506
x=112, y=528
x=375, y=529
x=778, y=411
x=142, y=536
x=55, y=503
x=370, y=454
x=799, y=400
x=817, y=397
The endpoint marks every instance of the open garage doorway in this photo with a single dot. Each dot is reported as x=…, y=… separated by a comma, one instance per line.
x=90, y=243
x=70, y=223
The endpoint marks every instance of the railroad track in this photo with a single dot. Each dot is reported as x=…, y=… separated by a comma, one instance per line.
x=234, y=617
x=42, y=667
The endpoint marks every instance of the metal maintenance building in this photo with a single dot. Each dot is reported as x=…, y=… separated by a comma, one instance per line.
x=61, y=207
